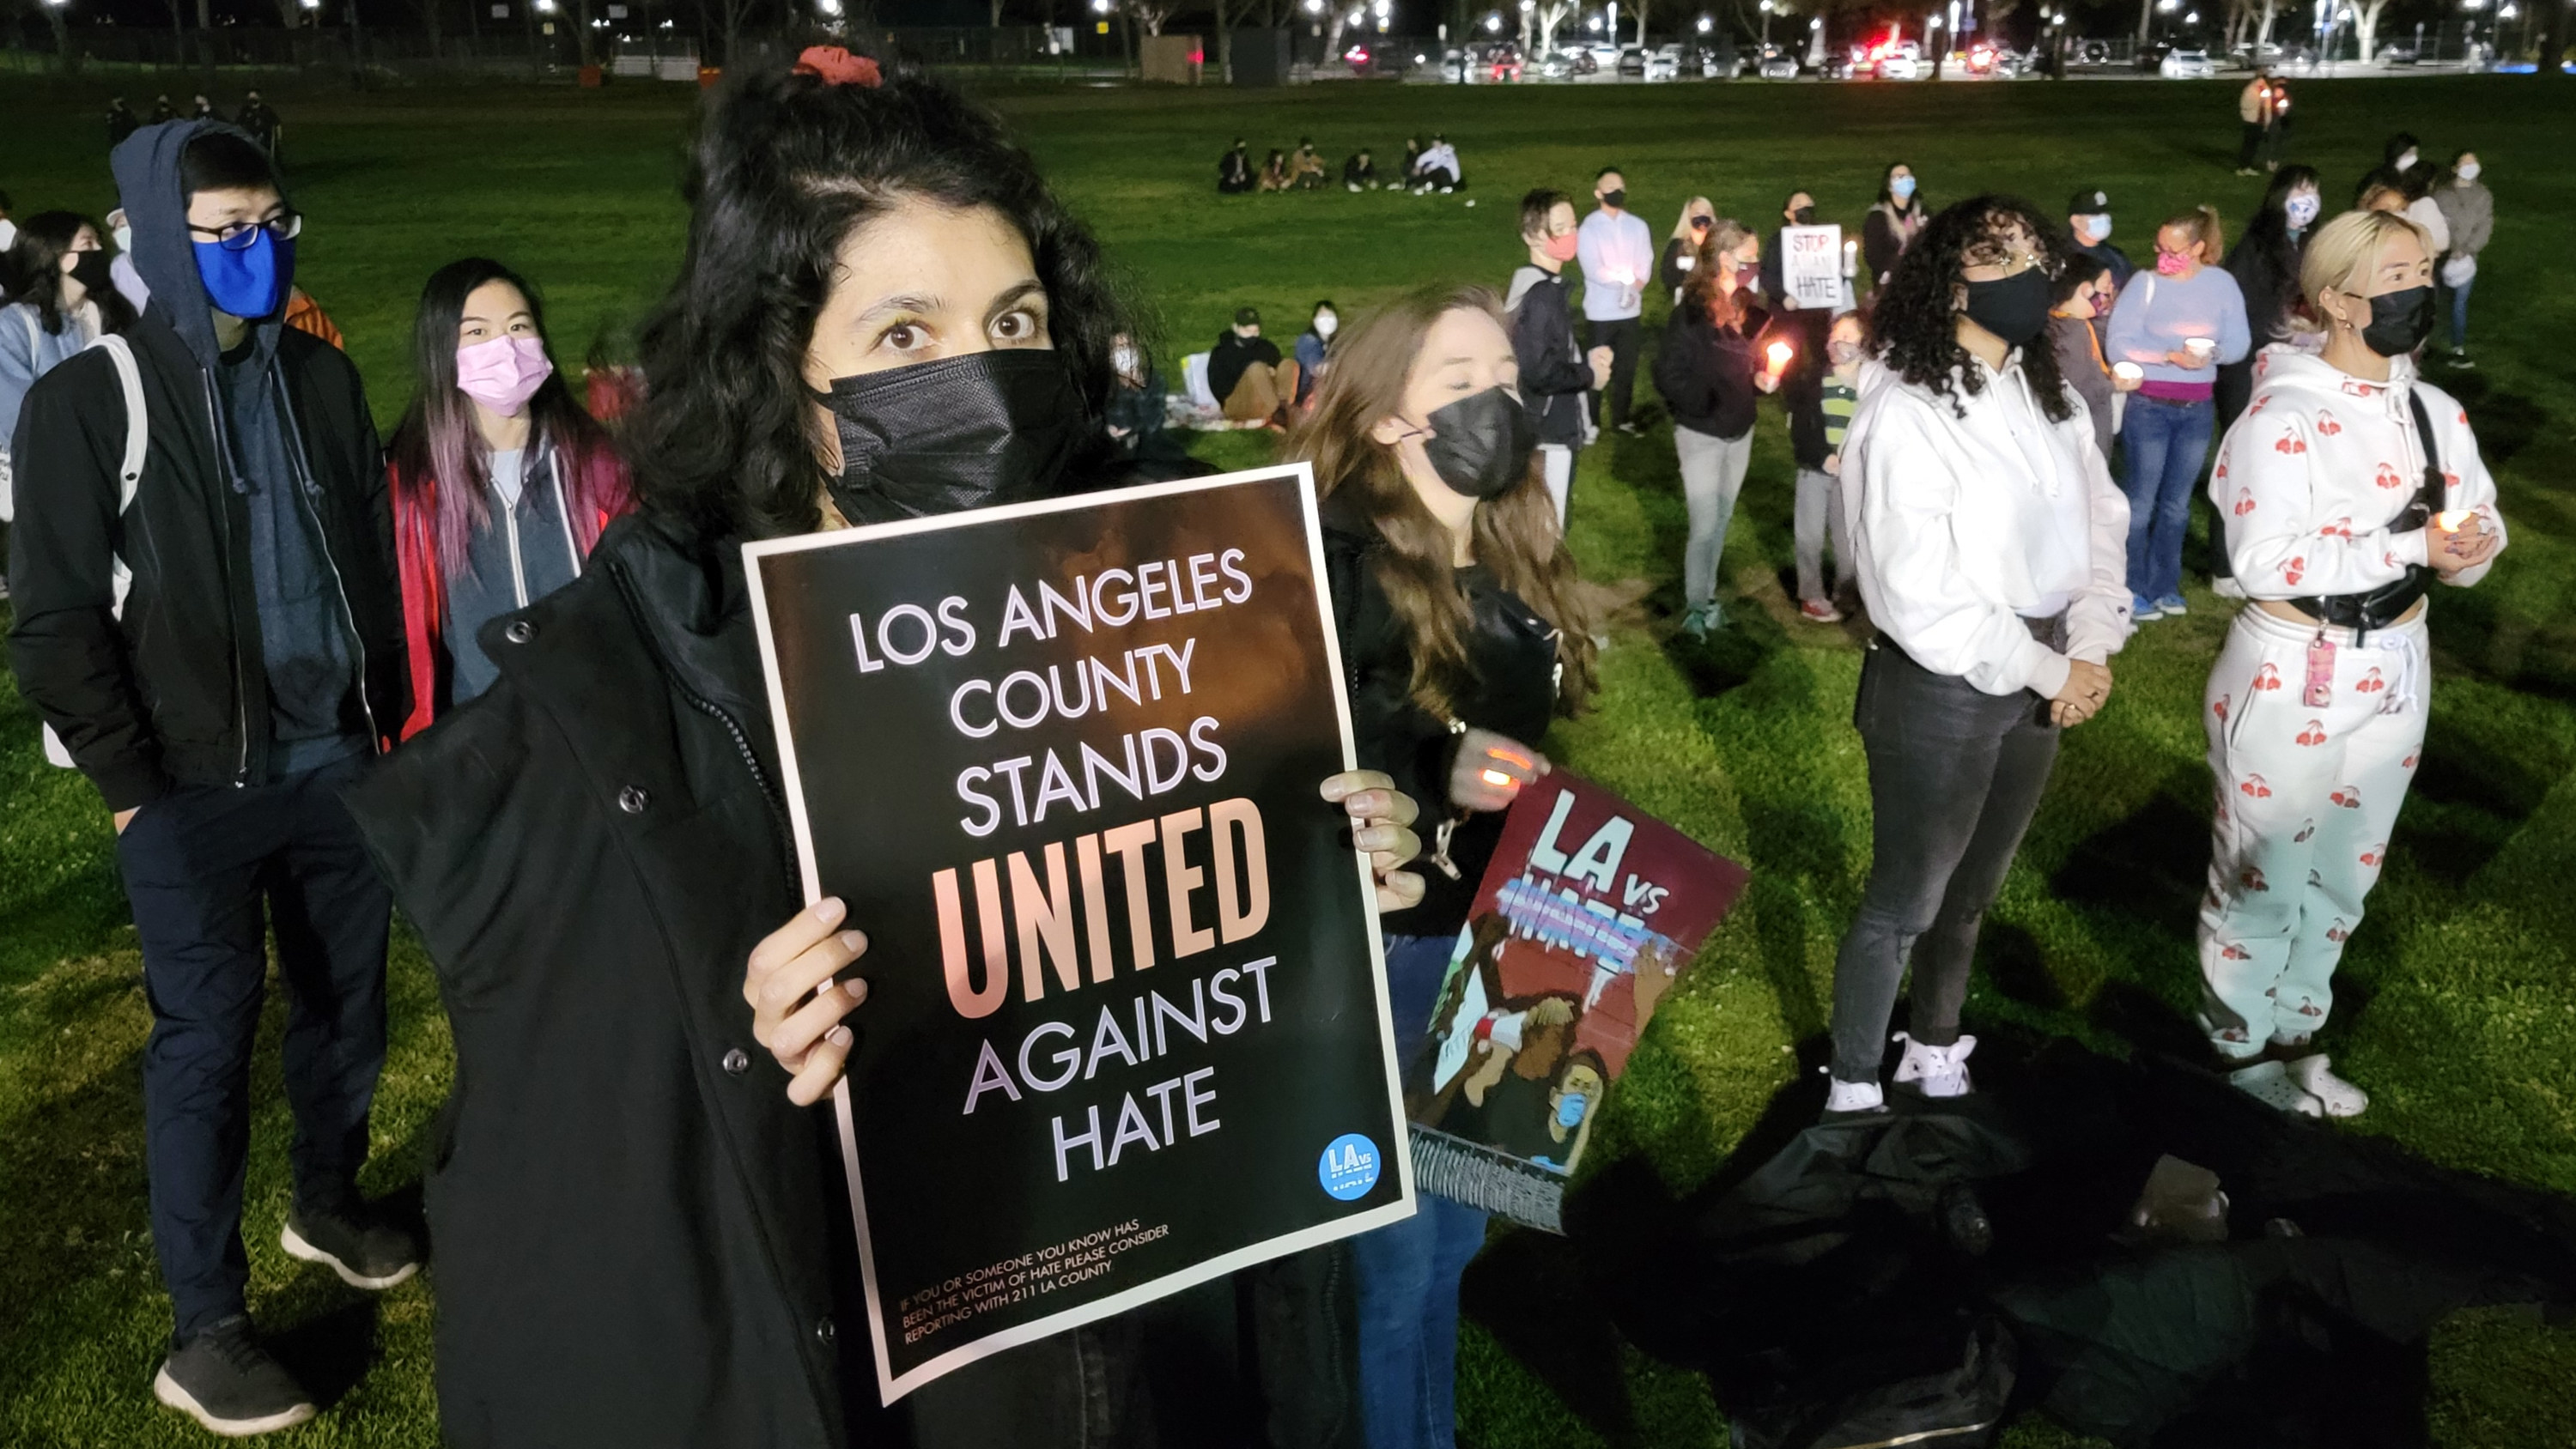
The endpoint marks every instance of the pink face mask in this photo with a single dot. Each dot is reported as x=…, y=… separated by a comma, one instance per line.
x=504, y=373
x=2171, y=264
x=1562, y=248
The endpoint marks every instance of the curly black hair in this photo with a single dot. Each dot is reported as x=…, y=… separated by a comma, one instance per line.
x=783, y=167
x=1913, y=326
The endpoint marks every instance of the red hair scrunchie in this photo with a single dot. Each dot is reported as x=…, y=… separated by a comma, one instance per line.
x=835, y=66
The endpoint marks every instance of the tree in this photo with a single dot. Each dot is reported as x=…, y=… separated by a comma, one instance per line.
x=1551, y=14
x=2366, y=29
x=733, y=13
x=66, y=60
x=1229, y=14
x=2553, y=41
x=428, y=14
x=1151, y=14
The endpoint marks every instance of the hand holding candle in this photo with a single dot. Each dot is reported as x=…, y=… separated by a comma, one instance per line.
x=1491, y=769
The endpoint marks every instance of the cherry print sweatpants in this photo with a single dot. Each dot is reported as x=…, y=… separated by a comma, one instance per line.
x=2307, y=797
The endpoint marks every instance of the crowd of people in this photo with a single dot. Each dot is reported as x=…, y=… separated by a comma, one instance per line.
x=1425, y=169
x=499, y=669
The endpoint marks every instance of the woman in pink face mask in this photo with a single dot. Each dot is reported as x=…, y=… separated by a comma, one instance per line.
x=502, y=484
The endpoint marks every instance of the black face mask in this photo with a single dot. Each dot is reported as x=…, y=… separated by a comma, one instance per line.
x=1804, y=216
x=90, y=270
x=2399, y=321
x=962, y=432
x=1482, y=444
x=1615, y=198
x=2014, y=309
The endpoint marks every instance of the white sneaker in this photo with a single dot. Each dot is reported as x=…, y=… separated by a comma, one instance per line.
x=2227, y=587
x=1936, y=1071
x=2339, y=1097
x=1854, y=1097
x=2270, y=1084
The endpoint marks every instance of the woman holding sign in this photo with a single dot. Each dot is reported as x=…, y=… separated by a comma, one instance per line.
x=641, y=1231
x=1463, y=639
x=2350, y=486
x=1991, y=548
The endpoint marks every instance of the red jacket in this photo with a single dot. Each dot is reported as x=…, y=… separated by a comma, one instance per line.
x=598, y=490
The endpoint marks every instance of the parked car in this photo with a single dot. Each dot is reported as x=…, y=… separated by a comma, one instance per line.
x=1778, y=64
x=2186, y=64
x=1632, y=64
x=1605, y=55
x=2247, y=55
x=1665, y=64
x=1901, y=61
x=2402, y=52
x=2152, y=57
x=1838, y=67
x=1567, y=64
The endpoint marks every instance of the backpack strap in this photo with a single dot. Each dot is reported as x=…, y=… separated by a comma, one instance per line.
x=129, y=469
x=2436, y=494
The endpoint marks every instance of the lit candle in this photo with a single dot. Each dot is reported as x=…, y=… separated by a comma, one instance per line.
x=1779, y=353
x=1851, y=259
x=2449, y=520
x=1498, y=779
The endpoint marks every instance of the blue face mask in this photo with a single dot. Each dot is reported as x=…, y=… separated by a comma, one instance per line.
x=1902, y=188
x=1570, y=1108
x=251, y=282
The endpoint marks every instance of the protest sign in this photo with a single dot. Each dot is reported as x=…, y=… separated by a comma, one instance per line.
x=1811, y=266
x=1588, y=913
x=1126, y=1028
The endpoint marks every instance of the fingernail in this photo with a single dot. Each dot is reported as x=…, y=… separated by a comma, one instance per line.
x=829, y=910
x=838, y=1036
x=857, y=989
x=854, y=942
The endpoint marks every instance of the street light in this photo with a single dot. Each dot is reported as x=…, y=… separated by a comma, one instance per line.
x=1703, y=25
x=1494, y=23
x=2192, y=19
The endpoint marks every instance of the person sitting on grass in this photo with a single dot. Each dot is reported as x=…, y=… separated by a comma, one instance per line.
x=1359, y=173
x=1245, y=373
x=1234, y=170
x=1437, y=169
x=1305, y=167
x=1274, y=171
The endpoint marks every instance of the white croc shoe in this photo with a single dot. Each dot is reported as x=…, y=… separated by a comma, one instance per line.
x=1936, y=1071
x=2269, y=1083
x=2340, y=1098
x=1845, y=1096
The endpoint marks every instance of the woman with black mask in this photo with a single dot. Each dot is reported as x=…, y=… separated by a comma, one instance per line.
x=1993, y=553
x=2265, y=265
x=66, y=302
x=641, y=1232
x=1464, y=638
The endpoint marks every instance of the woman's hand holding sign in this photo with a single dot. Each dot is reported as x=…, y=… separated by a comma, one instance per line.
x=1381, y=821
x=799, y=1025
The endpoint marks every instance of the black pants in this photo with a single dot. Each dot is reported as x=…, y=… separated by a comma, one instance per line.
x=1621, y=337
x=2249, y=145
x=1955, y=775
x=210, y=872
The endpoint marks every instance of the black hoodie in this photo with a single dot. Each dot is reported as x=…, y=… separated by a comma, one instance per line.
x=175, y=690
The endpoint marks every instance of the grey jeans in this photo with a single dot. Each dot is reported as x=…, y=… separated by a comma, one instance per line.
x=1818, y=513
x=1712, y=476
x=1955, y=775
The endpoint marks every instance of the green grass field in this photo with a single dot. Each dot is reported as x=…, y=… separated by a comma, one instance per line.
x=2461, y=1010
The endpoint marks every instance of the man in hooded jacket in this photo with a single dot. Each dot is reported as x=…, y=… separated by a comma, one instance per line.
x=218, y=643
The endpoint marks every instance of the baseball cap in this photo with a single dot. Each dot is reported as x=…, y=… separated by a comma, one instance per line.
x=2091, y=201
x=1247, y=317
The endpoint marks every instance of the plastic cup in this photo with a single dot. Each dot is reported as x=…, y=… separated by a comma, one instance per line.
x=2128, y=372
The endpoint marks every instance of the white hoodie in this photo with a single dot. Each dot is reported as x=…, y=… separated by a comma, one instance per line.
x=1963, y=527
x=2321, y=463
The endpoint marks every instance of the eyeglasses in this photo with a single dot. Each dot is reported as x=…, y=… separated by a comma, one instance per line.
x=237, y=236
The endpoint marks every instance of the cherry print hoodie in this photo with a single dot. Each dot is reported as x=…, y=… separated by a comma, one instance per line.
x=2315, y=472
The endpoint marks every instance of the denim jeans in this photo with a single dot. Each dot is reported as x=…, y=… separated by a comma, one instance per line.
x=2458, y=312
x=1955, y=775
x=210, y=872
x=1408, y=1272
x=2165, y=443
x=1712, y=476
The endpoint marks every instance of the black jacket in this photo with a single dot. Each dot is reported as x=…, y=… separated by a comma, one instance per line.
x=636, y=1239
x=1554, y=376
x=1513, y=653
x=1670, y=270
x=589, y=894
x=175, y=691
x=1234, y=355
x=1705, y=372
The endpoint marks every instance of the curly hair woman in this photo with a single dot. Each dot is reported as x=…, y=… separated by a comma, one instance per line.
x=883, y=313
x=1991, y=546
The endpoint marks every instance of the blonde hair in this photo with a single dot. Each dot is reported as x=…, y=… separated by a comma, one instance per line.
x=2342, y=253
x=2207, y=233
x=2379, y=191
x=1697, y=205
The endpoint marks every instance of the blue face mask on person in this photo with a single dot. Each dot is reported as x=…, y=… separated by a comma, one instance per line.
x=1570, y=1108
x=1902, y=188
x=251, y=282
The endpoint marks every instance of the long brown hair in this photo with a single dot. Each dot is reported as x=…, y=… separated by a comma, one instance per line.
x=1720, y=305
x=1515, y=534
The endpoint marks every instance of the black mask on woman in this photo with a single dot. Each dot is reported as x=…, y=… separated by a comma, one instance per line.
x=2399, y=321
x=90, y=269
x=1804, y=216
x=2014, y=308
x=1482, y=443
x=962, y=432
